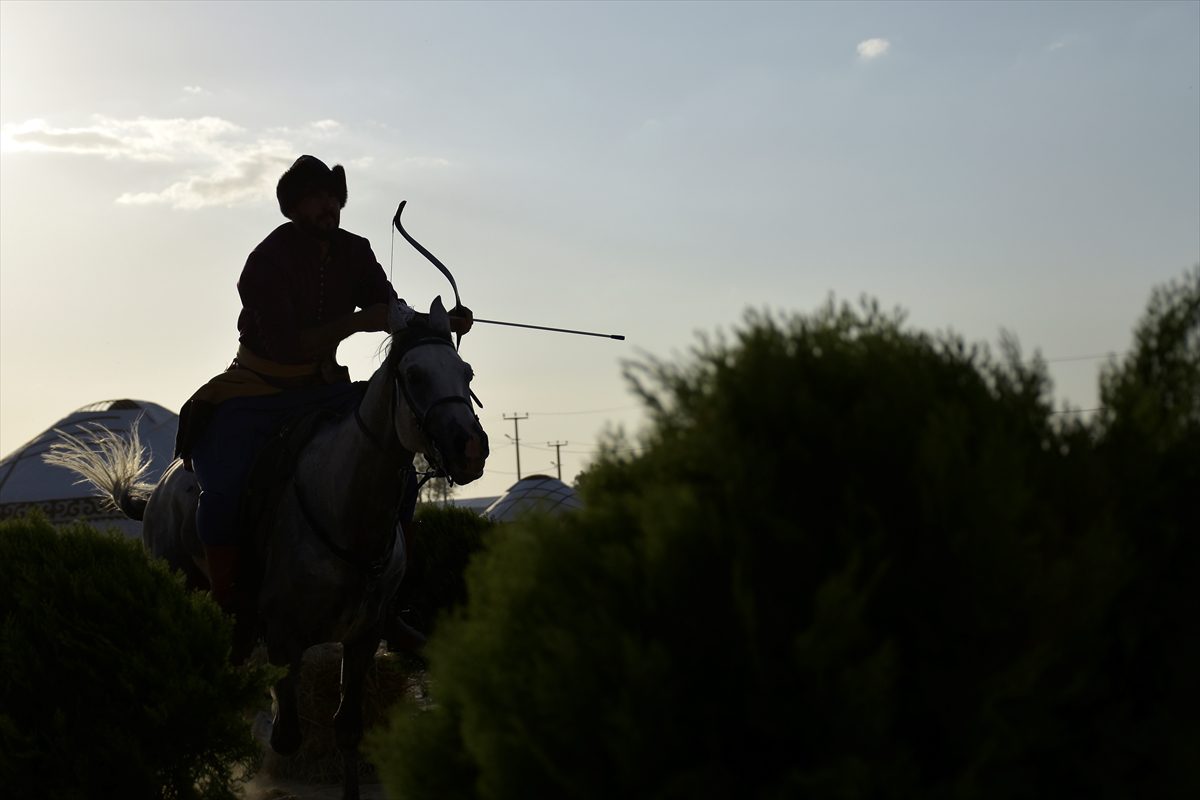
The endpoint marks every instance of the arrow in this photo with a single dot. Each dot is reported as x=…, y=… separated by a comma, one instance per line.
x=556, y=330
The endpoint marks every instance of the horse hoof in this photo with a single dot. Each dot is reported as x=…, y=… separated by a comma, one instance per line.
x=284, y=740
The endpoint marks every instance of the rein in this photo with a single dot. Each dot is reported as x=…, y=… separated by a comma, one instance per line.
x=378, y=441
x=372, y=567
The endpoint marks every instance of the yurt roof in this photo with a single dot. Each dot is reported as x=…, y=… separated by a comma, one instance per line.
x=477, y=504
x=28, y=483
x=534, y=493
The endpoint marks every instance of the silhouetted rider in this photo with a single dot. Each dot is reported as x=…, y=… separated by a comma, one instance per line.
x=304, y=289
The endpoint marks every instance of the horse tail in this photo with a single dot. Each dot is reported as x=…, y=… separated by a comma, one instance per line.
x=112, y=464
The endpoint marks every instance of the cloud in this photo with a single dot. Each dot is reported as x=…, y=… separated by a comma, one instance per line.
x=140, y=139
x=200, y=90
x=326, y=126
x=245, y=181
x=68, y=141
x=871, y=49
x=205, y=161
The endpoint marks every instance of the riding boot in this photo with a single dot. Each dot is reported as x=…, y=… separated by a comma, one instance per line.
x=224, y=571
x=223, y=563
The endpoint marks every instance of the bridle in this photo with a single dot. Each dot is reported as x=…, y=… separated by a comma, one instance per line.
x=375, y=566
x=420, y=415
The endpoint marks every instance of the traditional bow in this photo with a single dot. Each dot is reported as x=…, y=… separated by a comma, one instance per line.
x=458, y=302
x=421, y=249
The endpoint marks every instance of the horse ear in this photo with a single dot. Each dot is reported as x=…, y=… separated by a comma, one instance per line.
x=439, y=320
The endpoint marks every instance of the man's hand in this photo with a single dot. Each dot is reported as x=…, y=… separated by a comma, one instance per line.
x=374, y=318
x=461, y=319
x=399, y=316
x=322, y=341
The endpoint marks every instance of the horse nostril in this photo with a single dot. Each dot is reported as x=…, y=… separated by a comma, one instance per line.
x=471, y=447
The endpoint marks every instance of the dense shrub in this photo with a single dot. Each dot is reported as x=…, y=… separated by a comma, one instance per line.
x=114, y=680
x=851, y=561
x=1149, y=443
x=441, y=543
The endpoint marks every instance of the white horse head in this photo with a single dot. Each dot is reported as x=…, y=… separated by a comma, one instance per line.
x=433, y=414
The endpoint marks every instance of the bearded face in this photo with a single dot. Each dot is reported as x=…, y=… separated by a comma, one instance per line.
x=318, y=212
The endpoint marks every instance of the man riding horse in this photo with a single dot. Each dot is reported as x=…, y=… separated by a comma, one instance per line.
x=304, y=289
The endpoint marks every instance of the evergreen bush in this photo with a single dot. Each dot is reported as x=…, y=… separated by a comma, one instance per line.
x=851, y=560
x=1149, y=445
x=114, y=680
x=441, y=543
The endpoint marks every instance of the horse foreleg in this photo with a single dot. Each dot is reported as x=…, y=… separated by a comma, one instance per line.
x=285, y=728
x=357, y=657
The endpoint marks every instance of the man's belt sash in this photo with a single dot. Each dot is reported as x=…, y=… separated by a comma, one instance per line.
x=250, y=375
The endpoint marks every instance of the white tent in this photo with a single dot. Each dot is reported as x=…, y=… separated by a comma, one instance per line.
x=27, y=483
x=533, y=493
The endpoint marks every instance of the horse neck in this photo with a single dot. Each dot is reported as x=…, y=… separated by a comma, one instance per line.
x=357, y=476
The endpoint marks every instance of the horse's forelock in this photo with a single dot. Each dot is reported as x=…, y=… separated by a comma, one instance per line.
x=397, y=344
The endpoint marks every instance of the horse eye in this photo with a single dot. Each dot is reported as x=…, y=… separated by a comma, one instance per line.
x=414, y=376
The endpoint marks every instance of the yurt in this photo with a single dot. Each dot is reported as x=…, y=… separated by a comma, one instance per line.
x=28, y=483
x=533, y=493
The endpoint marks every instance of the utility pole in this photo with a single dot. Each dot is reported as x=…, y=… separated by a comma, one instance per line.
x=557, y=455
x=517, y=438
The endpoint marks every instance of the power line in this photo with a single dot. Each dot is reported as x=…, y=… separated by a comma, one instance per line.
x=1093, y=357
x=587, y=411
x=594, y=447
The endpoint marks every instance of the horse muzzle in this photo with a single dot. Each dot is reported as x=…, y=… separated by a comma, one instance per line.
x=461, y=443
x=470, y=456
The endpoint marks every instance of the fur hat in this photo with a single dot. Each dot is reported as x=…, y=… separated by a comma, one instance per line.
x=307, y=174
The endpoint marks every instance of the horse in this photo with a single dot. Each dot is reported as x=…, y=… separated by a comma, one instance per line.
x=332, y=555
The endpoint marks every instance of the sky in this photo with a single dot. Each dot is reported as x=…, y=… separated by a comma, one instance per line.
x=645, y=169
